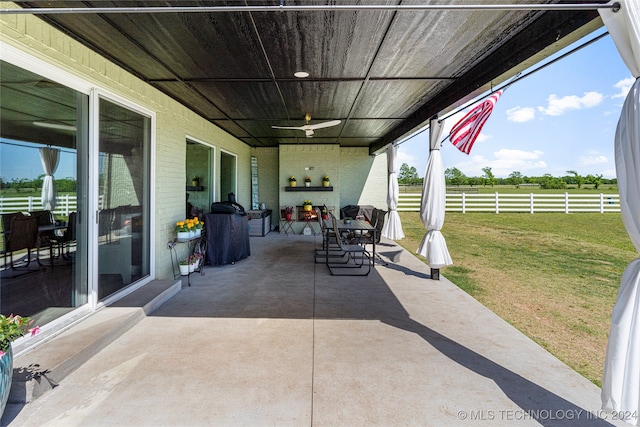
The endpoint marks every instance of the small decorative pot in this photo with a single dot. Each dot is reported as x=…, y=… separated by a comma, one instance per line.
x=195, y=182
x=292, y=183
x=6, y=374
x=184, y=270
x=183, y=235
x=287, y=216
x=192, y=268
x=326, y=183
x=307, y=184
x=307, y=208
x=198, y=232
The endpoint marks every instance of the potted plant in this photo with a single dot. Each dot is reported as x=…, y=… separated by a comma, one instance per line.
x=325, y=213
x=195, y=181
x=182, y=230
x=288, y=212
x=11, y=328
x=307, y=205
x=307, y=181
x=292, y=181
x=326, y=181
x=198, y=225
x=184, y=266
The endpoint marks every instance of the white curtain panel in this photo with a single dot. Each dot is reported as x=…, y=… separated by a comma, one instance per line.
x=621, y=380
x=49, y=158
x=393, y=227
x=432, y=207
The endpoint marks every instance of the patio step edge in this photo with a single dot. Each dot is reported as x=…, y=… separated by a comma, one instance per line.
x=44, y=367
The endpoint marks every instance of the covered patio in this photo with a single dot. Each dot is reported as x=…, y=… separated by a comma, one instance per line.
x=276, y=340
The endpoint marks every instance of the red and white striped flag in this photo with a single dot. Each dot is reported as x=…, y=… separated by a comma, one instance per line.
x=464, y=133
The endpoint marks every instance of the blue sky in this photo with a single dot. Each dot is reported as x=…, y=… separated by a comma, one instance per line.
x=560, y=118
x=30, y=166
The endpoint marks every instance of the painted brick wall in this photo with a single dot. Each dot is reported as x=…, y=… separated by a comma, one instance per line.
x=356, y=177
x=173, y=121
x=268, y=187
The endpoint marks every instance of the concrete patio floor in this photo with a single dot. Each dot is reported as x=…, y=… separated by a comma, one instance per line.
x=275, y=340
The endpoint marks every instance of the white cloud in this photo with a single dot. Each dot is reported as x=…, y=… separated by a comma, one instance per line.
x=404, y=157
x=593, y=160
x=558, y=106
x=521, y=114
x=624, y=86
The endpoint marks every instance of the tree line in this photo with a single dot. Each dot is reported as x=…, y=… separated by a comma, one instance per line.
x=454, y=177
x=24, y=185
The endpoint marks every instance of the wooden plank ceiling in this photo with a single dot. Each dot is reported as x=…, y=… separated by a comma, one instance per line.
x=383, y=73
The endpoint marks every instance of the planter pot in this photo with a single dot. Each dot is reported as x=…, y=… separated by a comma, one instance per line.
x=195, y=182
x=292, y=183
x=287, y=216
x=307, y=184
x=6, y=374
x=184, y=270
x=192, y=268
x=307, y=208
x=183, y=235
x=326, y=183
x=198, y=232
x=325, y=216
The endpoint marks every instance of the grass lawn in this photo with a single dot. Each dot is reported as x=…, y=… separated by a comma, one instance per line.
x=553, y=276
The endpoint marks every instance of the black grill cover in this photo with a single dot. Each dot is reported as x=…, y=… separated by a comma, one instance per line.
x=227, y=238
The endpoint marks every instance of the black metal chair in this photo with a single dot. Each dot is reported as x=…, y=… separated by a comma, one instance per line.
x=377, y=220
x=354, y=256
x=327, y=233
x=23, y=234
x=69, y=236
x=46, y=239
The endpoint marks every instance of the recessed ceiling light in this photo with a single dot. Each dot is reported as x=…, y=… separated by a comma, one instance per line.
x=301, y=74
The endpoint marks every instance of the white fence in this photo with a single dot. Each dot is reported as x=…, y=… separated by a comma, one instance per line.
x=529, y=203
x=460, y=202
x=66, y=204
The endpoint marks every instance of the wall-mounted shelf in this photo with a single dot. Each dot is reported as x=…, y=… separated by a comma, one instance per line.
x=195, y=188
x=303, y=188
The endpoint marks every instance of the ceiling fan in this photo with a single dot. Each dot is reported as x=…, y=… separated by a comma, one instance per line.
x=309, y=129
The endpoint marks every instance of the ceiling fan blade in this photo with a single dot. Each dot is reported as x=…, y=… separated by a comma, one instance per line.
x=323, y=124
x=289, y=127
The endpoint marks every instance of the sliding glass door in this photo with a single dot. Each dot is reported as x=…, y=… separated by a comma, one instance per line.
x=123, y=197
x=44, y=141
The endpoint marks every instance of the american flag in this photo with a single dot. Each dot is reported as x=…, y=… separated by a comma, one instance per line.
x=464, y=133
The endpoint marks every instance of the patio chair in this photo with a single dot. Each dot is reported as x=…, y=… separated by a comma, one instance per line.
x=326, y=232
x=69, y=236
x=377, y=220
x=23, y=234
x=286, y=225
x=356, y=253
x=45, y=238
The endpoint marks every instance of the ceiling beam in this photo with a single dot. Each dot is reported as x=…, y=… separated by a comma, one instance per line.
x=308, y=8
